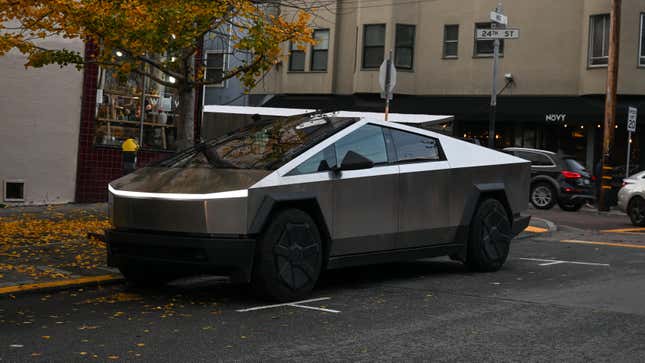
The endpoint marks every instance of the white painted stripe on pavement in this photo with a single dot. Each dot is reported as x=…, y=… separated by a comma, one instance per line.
x=278, y=305
x=555, y=262
x=314, y=308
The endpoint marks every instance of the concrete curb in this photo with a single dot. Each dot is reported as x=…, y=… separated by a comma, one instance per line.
x=60, y=285
x=539, y=223
x=552, y=227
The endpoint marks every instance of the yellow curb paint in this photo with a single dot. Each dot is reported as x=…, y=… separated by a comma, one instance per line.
x=611, y=244
x=60, y=283
x=535, y=229
x=624, y=230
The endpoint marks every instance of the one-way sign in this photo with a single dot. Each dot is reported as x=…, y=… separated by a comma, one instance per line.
x=489, y=34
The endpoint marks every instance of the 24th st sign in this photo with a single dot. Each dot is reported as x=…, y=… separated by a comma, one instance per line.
x=491, y=34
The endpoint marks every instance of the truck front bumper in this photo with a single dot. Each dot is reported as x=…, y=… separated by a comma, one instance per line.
x=190, y=253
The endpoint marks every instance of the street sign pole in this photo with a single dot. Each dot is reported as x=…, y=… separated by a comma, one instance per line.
x=629, y=151
x=493, y=96
x=387, y=81
x=632, y=115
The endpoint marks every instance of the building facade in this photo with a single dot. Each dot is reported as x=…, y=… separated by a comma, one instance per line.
x=39, y=133
x=552, y=78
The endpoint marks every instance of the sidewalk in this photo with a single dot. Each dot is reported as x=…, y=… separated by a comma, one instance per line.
x=48, y=247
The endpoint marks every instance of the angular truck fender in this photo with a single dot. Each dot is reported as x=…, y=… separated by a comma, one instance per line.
x=275, y=200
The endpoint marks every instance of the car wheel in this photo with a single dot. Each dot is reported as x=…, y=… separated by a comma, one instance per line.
x=490, y=237
x=144, y=275
x=636, y=211
x=543, y=195
x=289, y=257
x=570, y=205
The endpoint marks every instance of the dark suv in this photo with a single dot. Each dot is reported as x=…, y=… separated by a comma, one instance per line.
x=556, y=178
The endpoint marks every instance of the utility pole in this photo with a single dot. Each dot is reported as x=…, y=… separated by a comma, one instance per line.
x=610, y=104
x=493, y=95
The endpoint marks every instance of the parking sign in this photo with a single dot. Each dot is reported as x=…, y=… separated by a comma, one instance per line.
x=631, y=119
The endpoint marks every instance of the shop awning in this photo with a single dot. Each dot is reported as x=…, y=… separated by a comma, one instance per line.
x=539, y=109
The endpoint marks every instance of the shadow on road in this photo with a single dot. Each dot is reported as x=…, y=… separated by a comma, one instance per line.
x=209, y=289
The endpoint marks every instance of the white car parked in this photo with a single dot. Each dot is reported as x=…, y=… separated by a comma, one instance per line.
x=631, y=198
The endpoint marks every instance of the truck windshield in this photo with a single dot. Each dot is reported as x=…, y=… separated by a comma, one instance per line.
x=265, y=144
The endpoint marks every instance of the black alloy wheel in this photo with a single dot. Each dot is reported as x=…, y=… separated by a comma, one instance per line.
x=636, y=211
x=543, y=195
x=289, y=257
x=490, y=237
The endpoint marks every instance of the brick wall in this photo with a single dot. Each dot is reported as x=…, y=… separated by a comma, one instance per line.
x=98, y=165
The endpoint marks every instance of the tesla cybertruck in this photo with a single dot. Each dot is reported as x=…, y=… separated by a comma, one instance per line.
x=278, y=201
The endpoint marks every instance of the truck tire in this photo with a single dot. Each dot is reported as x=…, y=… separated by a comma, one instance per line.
x=490, y=237
x=289, y=257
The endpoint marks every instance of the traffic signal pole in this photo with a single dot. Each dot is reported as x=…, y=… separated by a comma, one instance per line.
x=610, y=104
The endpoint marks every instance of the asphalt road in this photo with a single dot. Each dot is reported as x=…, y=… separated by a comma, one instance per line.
x=555, y=300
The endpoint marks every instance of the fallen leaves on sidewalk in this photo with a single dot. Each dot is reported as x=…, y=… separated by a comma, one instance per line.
x=51, y=245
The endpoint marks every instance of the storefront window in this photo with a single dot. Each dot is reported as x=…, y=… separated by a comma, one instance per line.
x=135, y=107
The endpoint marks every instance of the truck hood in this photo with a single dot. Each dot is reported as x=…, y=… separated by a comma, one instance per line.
x=188, y=180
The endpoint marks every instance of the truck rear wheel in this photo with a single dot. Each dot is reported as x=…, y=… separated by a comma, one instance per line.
x=490, y=237
x=289, y=257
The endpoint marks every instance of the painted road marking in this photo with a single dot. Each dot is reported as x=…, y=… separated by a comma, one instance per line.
x=624, y=230
x=533, y=229
x=59, y=283
x=557, y=262
x=295, y=304
x=611, y=244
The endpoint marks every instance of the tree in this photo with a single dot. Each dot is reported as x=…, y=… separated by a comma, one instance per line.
x=156, y=39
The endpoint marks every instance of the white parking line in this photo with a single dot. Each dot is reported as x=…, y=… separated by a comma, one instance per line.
x=295, y=304
x=556, y=262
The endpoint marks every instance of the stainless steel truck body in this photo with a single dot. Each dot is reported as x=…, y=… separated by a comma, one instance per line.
x=277, y=202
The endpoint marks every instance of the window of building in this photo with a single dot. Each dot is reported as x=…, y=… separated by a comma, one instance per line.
x=320, y=50
x=215, y=66
x=14, y=191
x=367, y=141
x=404, y=47
x=296, y=57
x=641, y=53
x=598, y=40
x=373, y=45
x=414, y=147
x=485, y=48
x=136, y=107
x=450, y=41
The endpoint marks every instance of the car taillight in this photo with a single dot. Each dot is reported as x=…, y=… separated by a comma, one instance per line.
x=571, y=175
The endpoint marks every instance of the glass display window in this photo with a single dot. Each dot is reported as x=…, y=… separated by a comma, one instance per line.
x=135, y=107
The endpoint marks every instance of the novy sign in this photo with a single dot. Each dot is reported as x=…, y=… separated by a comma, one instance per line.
x=556, y=117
